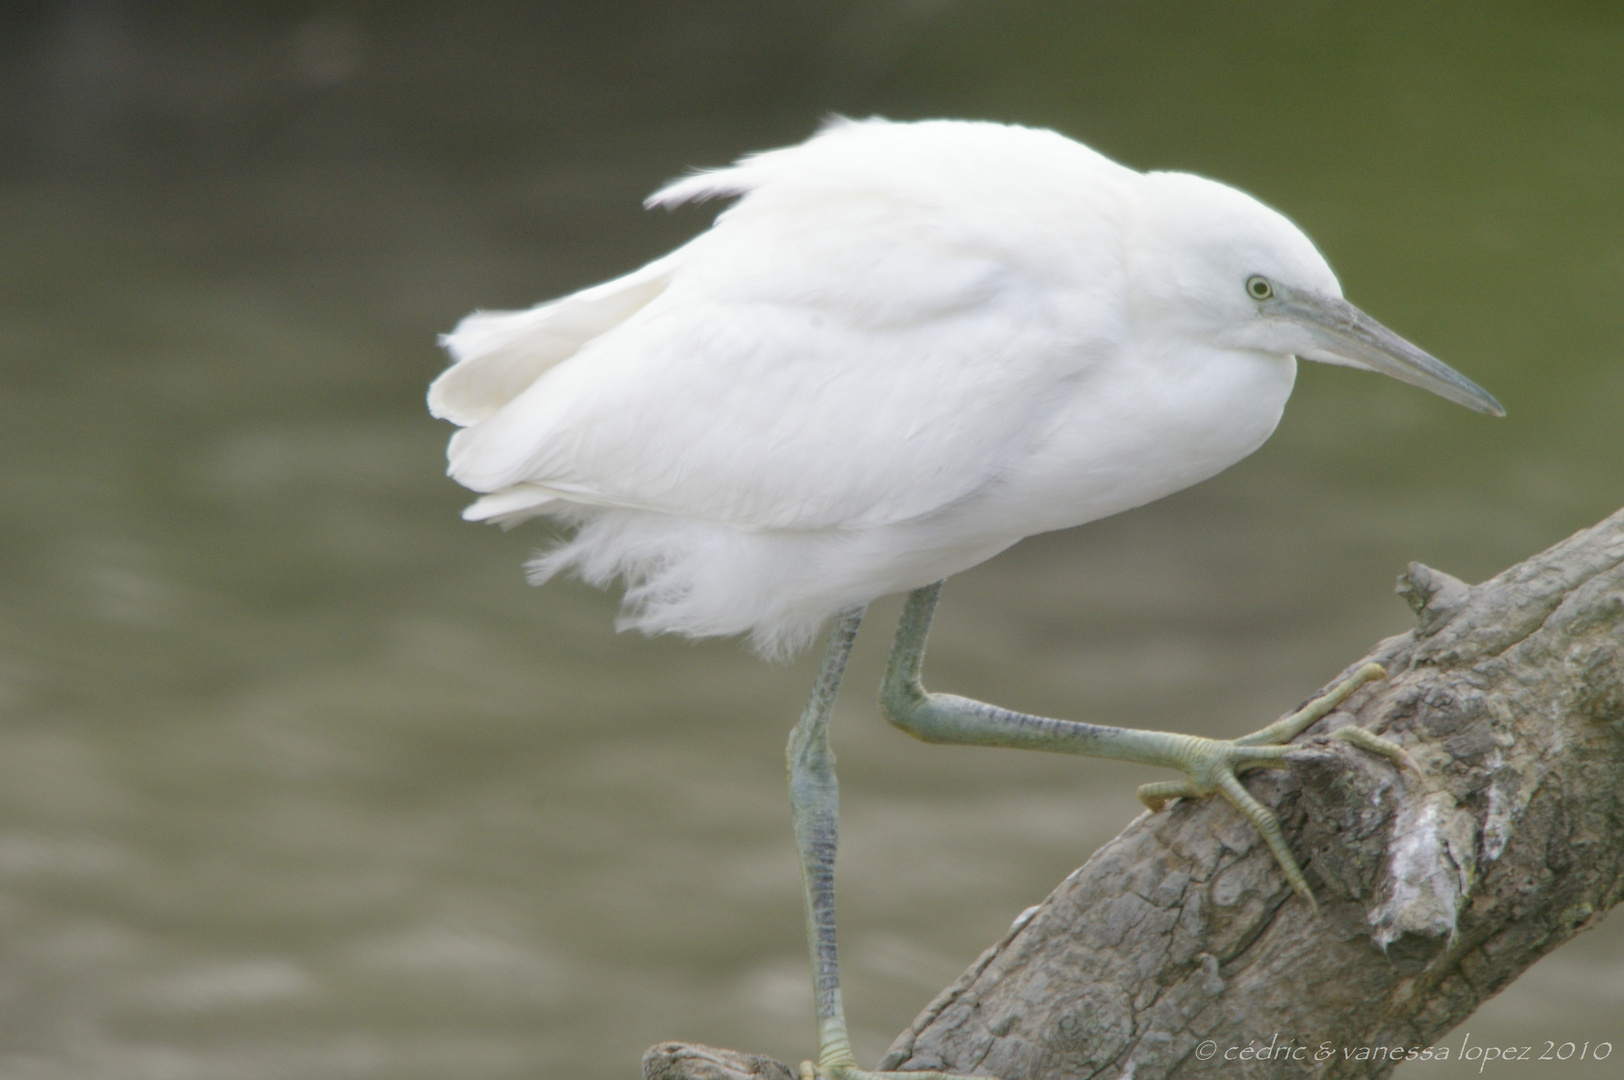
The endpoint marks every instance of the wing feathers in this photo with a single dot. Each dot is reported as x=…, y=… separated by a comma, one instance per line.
x=831, y=354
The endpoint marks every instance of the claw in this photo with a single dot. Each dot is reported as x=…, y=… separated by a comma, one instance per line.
x=1214, y=766
x=1375, y=744
x=1162, y=792
x=1268, y=826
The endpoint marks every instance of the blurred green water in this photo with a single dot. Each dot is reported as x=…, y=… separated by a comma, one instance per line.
x=297, y=778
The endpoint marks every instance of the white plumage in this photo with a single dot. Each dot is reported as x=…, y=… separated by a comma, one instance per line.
x=905, y=347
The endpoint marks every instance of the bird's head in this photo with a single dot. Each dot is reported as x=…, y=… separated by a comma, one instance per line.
x=1216, y=265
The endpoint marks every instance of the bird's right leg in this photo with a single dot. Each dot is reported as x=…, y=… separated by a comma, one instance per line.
x=1211, y=766
x=814, y=798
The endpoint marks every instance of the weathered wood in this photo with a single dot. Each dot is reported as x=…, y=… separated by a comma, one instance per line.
x=1180, y=939
x=693, y=1061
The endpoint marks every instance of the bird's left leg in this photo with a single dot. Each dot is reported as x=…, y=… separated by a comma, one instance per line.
x=1210, y=766
x=814, y=797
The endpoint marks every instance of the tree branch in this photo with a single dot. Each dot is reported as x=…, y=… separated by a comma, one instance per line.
x=1180, y=938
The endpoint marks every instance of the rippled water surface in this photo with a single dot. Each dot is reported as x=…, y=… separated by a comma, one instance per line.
x=298, y=778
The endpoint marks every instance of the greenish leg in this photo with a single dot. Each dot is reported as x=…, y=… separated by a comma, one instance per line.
x=814, y=797
x=1211, y=766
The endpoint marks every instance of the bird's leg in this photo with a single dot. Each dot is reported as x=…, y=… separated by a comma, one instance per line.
x=814, y=798
x=1211, y=766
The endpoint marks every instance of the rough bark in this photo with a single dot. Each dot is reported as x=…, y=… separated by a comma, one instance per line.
x=1180, y=938
x=695, y=1061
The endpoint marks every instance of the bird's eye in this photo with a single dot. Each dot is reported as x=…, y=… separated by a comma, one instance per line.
x=1259, y=287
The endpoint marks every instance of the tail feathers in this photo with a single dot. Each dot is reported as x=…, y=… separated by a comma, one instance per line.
x=510, y=506
x=497, y=354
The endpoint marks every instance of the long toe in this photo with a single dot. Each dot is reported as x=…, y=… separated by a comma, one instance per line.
x=1214, y=765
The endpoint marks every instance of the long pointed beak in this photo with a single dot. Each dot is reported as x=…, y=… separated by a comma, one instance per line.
x=1348, y=334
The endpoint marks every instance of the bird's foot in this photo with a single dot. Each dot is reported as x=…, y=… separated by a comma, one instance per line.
x=841, y=1070
x=1213, y=766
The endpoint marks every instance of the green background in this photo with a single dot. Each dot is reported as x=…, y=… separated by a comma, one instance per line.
x=298, y=778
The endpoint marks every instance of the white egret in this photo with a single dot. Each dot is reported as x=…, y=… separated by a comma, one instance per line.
x=904, y=348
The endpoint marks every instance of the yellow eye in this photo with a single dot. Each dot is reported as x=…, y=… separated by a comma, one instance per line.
x=1258, y=287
